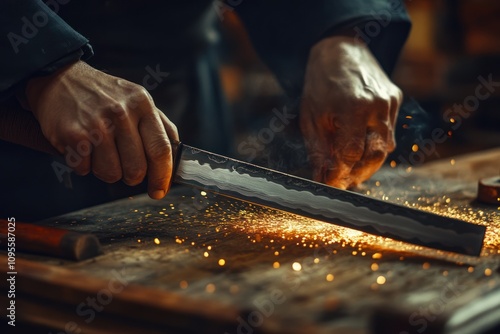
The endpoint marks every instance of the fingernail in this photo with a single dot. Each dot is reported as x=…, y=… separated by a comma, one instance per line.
x=158, y=194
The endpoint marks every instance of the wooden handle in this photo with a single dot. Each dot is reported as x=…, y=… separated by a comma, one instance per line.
x=489, y=190
x=49, y=241
x=20, y=127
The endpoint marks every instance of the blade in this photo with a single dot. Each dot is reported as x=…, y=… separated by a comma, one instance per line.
x=250, y=183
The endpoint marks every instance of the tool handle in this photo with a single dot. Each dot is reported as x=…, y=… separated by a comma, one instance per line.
x=48, y=241
x=20, y=127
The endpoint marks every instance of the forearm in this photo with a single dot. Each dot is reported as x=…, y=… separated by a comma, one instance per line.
x=283, y=35
x=36, y=42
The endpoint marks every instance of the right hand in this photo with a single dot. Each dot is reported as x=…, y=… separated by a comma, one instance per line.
x=110, y=124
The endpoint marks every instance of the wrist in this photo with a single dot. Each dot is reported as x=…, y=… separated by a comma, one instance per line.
x=35, y=86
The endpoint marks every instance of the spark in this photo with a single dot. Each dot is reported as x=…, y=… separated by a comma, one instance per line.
x=210, y=288
x=330, y=277
x=414, y=148
x=222, y=262
x=276, y=265
x=381, y=280
x=487, y=272
x=157, y=241
x=296, y=266
x=374, y=267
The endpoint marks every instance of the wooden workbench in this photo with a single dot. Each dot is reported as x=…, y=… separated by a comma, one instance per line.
x=200, y=263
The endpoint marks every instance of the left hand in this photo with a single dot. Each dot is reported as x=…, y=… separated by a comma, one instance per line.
x=348, y=112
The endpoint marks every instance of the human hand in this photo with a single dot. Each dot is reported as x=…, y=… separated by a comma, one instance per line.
x=104, y=125
x=348, y=112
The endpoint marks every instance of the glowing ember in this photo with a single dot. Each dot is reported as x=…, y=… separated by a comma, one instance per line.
x=296, y=266
x=205, y=254
x=276, y=265
x=487, y=272
x=329, y=277
x=210, y=288
x=222, y=262
x=374, y=267
x=157, y=241
x=381, y=280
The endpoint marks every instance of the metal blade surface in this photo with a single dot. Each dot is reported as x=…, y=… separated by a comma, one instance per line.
x=251, y=183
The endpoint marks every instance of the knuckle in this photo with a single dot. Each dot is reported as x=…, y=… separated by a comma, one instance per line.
x=398, y=95
x=158, y=149
x=116, y=110
x=353, y=151
x=134, y=175
x=140, y=96
x=381, y=103
x=173, y=126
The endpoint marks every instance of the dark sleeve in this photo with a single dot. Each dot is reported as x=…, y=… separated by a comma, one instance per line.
x=34, y=40
x=284, y=31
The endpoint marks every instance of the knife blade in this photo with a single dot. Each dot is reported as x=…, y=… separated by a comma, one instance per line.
x=273, y=189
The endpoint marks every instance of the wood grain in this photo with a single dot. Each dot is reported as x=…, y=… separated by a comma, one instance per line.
x=175, y=246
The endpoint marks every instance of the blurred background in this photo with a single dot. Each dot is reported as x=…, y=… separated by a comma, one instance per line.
x=452, y=44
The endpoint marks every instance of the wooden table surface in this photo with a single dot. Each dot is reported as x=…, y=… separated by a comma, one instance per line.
x=195, y=263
